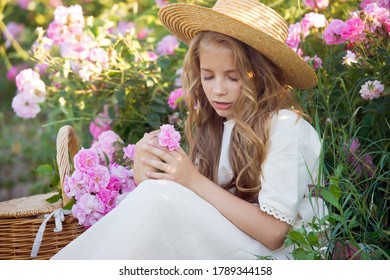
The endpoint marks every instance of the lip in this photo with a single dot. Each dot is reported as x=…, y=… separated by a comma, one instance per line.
x=222, y=105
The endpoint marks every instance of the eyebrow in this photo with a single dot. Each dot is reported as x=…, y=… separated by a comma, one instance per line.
x=227, y=71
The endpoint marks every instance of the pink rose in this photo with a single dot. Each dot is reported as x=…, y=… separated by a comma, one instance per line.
x=129, y=151
x=86, y=160
x=316, y=61
x=100, y=124
x=371, y=90
x=23, y=3
x=108, y=199
x=106, y=145
x=294, y=36
x=364, y=3
x=115, y=184
x=353, y=30
x=88, y=210
x=312, y=4
x=167, y=45
x=143, y=33
x=125, y=27
x=120, y=197
x=119, y=171
x=169, y=137
x=16, y=30
x=76, y=185
x=100, y=177
x=25, y=105
x=161, y=3
x=175, y=97
x=312, y=20
x=12, y=73
x=332, y=33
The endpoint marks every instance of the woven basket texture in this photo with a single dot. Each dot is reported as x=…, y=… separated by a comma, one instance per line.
x=21, y=218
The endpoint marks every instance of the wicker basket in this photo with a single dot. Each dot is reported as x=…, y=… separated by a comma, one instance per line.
x=21, y=218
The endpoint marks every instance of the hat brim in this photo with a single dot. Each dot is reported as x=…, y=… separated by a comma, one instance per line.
x=186, y=20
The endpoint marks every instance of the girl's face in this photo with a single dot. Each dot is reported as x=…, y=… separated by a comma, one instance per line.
x=219, y=78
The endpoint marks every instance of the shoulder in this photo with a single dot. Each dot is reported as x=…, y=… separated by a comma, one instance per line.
x=288, y=121
x=285, y=117
x=289, y=128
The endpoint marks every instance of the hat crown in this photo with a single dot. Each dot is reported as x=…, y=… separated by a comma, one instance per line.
x=256, y=15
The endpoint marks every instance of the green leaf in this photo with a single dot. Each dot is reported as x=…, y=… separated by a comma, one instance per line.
x=55, y=181
x=334, y=216
x=112, y=113
x=329, y=197
x=334, y=187
x=310, y=256
x=153, y=119
x=383, y=160
x=45, y=169
x=158, y=108
x=106, y=159
x=164, y=62
x=69, y=205
x=312, y=239
x=383, y=51
x=352, y=223
x=120, y=95
x=300, y=254
x=54, y=198
x=297, y=237
x=339, y=170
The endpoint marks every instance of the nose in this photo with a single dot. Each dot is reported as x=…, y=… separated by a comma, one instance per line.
x=219, y=87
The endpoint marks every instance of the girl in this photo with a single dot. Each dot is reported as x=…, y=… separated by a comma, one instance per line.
x=252, y=156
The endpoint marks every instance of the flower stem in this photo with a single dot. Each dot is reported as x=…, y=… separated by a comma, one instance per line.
x=21, y=52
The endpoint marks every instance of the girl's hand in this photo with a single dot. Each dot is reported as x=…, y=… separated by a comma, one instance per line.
x=170, y=165
x=140, y=168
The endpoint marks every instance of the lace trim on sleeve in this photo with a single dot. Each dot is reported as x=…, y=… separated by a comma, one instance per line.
x=269, y=209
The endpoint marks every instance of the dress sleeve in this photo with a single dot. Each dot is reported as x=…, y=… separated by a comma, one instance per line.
x=291, y=165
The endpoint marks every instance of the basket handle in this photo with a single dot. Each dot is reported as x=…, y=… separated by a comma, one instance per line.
x=67, y=147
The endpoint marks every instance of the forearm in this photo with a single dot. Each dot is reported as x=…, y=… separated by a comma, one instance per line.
x=246, y=216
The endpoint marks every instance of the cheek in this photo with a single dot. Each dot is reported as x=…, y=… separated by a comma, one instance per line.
x=206, y=89
x=238, y=91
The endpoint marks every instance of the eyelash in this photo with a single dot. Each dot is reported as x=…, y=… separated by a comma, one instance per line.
x=211, y=77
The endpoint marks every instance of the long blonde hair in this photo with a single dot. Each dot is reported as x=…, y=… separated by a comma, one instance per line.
x=264, y=92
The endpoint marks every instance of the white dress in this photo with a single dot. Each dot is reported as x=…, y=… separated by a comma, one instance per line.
x=161, y=219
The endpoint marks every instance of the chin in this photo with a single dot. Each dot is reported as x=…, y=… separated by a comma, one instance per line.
x=226, y=115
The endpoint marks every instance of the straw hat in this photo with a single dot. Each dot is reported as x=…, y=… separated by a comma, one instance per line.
x=248, y=21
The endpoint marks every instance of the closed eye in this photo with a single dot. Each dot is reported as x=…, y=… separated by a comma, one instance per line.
x=207, y=78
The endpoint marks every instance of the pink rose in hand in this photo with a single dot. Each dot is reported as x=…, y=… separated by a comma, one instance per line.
x=169, y=137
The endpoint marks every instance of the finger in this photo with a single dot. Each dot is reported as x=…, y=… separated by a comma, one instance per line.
x=158, y=175
x=181, y=151
x=165, y=156
x=154, y=132
x=155, y=163
x=151, y=134
x=179, y=154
